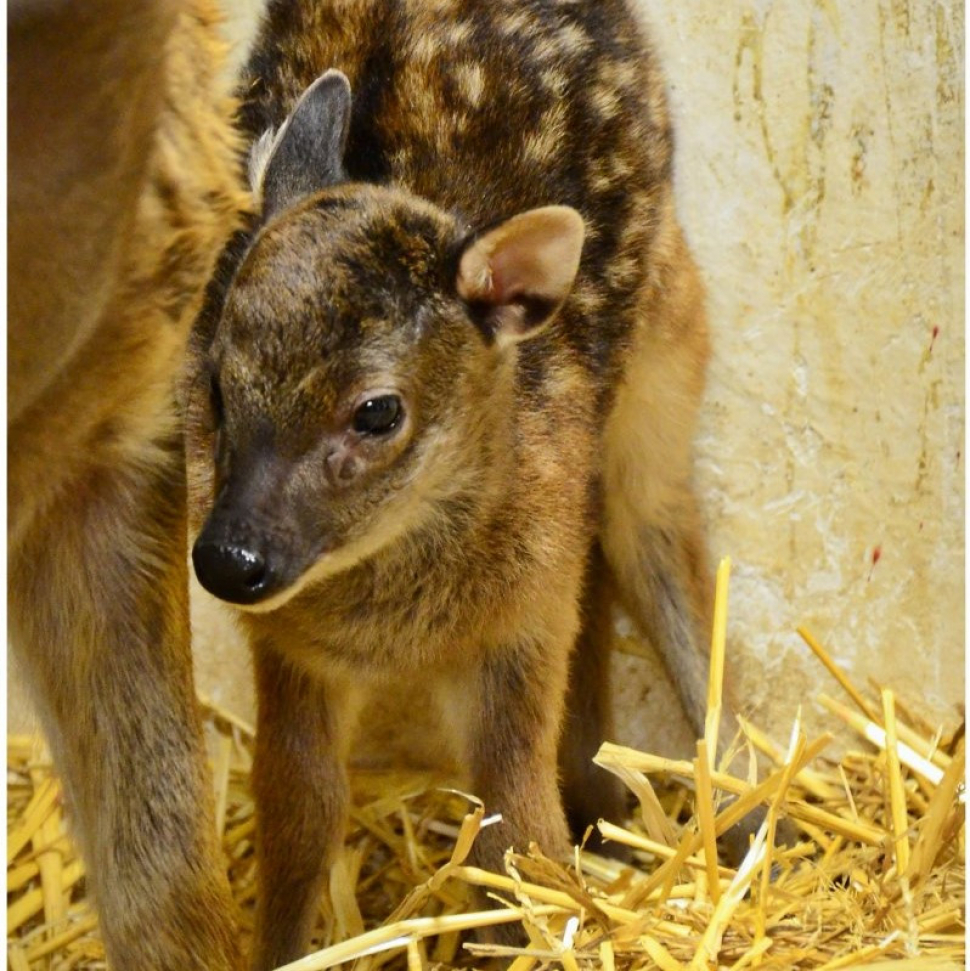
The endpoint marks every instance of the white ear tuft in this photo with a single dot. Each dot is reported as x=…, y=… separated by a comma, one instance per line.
x=259, y=156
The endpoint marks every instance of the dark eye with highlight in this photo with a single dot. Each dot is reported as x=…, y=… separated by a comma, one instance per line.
x=378, y=416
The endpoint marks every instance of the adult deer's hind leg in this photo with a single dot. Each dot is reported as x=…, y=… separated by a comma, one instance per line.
x=99, y=616
x=122, y=187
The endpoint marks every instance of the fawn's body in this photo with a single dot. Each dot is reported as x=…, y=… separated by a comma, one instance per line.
x=449, y=375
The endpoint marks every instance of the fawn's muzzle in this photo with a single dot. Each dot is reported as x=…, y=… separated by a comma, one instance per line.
x=237, y=574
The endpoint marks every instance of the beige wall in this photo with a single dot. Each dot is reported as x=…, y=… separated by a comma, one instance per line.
x=821, y=176
x=820, y=180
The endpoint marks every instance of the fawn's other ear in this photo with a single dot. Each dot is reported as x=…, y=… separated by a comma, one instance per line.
x=306, y=154
x=515, y=276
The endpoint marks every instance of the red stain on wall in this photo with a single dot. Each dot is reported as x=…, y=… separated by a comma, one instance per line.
x=876, y=557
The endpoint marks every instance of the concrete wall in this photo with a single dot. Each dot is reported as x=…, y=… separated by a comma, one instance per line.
x=820, y=171
x=820, y=177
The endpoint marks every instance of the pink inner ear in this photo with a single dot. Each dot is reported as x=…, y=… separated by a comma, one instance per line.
x=513, y=268
x=534, y=254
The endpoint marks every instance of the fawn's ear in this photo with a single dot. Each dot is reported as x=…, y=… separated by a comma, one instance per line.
x=515, y=276
x=306, y=154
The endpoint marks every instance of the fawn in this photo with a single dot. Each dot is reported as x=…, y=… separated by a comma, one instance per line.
x=440, y=404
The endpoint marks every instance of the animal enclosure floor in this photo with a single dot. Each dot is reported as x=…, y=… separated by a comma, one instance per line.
x=878, y=873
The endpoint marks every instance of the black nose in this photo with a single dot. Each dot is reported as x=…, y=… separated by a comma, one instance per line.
x=231, y=572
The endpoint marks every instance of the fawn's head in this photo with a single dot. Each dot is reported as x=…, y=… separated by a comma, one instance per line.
x=355, y=378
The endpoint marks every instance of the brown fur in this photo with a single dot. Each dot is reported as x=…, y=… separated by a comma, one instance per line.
x=542, y=423
x=122, y=190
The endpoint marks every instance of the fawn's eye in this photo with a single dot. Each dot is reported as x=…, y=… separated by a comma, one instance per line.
x=215, y=399
x=378, y=416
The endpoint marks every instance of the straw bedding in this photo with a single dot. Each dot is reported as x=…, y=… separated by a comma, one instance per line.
x=877, y=875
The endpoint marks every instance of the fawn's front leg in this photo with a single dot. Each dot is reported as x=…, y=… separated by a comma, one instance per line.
x=513, y=741
x=301, y=792
x=99, y=617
